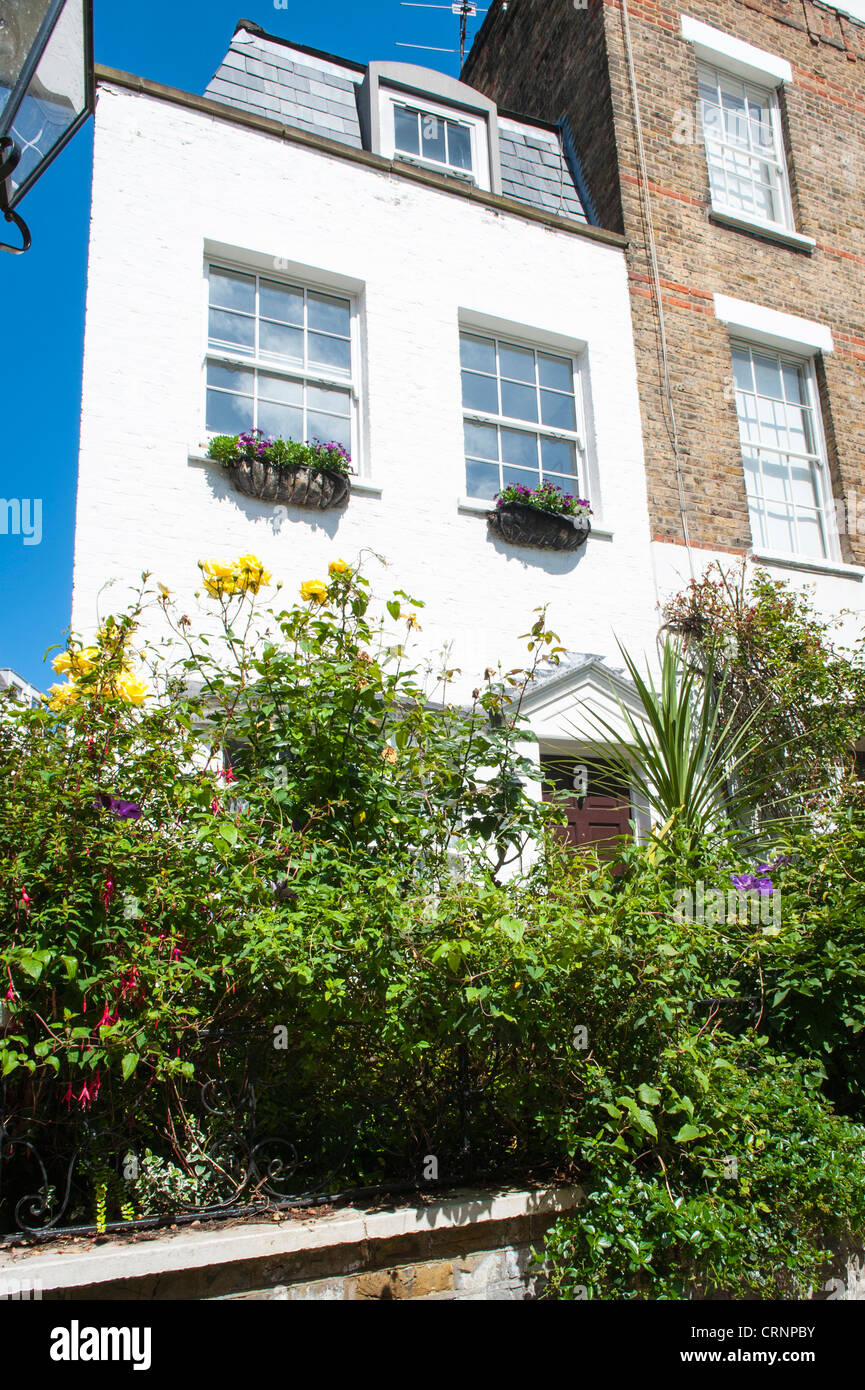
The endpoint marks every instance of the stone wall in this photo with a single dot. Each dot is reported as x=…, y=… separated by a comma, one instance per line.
x=466, y=1246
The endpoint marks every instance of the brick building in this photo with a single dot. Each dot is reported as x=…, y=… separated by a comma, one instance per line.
x=726, y=140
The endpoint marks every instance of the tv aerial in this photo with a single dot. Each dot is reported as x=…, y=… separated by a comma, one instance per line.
x=463, y=9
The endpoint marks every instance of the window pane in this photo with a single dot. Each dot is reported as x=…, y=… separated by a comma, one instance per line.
x=329, y=429
x=333, y=353
x=279, y=340
x=234, y=330
x=811, y=536
x=329, y=315
x=768, y=377
x=482, y=479
x=459, y=146
x=794, y=386
x=334, y=402
x=481, y=441
x=229, y=290
x=524, y=476
x=283, y=420
x=230, y=378
x=480, y=393
x=281, y=302
x=558, y=456
x=556, y=372
x=558, y=410
x=228, y=414
x=406, y=130
x=516, y=362
x=478, y=353
x=519, y=402
x=433, y=138
x=520, y=448
x=280, y=388
x=742, y=370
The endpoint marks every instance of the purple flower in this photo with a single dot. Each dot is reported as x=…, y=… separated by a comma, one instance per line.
x=754, y=883
x=123, y=810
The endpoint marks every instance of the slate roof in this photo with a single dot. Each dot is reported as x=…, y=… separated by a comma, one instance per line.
x=318, y=93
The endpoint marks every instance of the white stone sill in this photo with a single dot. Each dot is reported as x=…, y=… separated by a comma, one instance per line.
x=84, y=1264
x=838, y=568
x=746, y=224
x=362, y=486
x=477, y=506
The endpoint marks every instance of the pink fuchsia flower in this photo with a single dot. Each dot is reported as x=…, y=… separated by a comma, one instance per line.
x=85, y=1099
x=227, y=774
x=175, y=954
x=107, y=893
x=215, y=806
x=26, y=899
x=129, y=982
x=68, y=1097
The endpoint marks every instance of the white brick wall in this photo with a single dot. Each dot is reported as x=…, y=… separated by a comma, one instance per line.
x=168, y=181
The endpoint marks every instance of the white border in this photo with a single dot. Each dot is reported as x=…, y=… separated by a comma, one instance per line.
x=785, y=332
x=735, y=55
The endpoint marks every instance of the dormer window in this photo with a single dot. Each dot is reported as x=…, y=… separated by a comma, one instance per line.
x=428, y=136
x=425, y=118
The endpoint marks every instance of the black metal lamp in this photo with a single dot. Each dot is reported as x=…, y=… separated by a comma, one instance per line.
x=46, y=92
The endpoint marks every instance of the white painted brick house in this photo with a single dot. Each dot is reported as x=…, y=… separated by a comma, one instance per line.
x=285, y=253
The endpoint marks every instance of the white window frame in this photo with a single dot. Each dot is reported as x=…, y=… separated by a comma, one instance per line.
x=577, y=436
x=818, y=460
x=315, y=376
x=390, y=98
x=777, y=160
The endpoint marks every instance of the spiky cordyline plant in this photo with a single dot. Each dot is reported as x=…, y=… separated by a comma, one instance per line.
x=690, y=769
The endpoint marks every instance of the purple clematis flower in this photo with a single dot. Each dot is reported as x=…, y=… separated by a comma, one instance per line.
x=123, y=810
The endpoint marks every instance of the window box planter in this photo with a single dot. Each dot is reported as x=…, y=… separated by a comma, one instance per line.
x=312, y=475
x=519, y=524
x=319, y=488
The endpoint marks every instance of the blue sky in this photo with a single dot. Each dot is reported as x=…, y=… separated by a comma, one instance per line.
x=181, y=43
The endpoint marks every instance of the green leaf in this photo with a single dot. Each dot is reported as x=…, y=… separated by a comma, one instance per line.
x=648, y=1095
x=129, y=1063
x=686, y=1133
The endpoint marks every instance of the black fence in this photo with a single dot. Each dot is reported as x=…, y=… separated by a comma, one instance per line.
x=260, y=1125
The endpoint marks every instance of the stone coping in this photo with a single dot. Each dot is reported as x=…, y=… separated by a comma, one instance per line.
x=82, y=1264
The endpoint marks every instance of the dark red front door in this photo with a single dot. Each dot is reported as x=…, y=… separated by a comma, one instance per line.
x=598, y=813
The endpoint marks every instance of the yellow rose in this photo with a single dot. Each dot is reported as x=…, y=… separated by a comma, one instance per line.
x=313, y=591
x=76, y=663
x=252, y=573
x=219, y=578
x=133, y=690
x=337, y=567
x=62, y=696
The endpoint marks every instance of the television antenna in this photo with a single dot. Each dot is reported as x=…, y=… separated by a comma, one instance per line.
x=464, y=9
